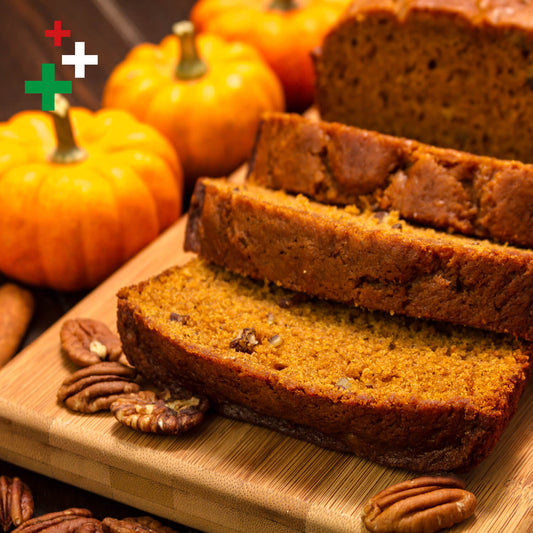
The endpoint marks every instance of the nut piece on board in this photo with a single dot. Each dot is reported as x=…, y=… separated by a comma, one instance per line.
x=421, y=505
x=168, y=416
x=96, y=387
x=16, y=309
x=67, y=521
x=87, y=342
x=141, y=524
x=16, y=503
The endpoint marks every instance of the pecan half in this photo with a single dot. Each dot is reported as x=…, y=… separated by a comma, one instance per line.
x=245, y=341
x=150, y=523
x=87, y=342
x=96, y=387
x=16, y=502
x=72, y=520
x=181, y=319
x=421, y=505
x=169, y=416
x=141, y=524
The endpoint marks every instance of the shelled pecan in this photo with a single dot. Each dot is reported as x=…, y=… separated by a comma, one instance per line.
x=87, y=342
x=245, y=341
x=72, y=520
x=166, y=415
x=16, y=502
x=96, y=387
x=141, y=524
x=150, y=523
x=421, y=505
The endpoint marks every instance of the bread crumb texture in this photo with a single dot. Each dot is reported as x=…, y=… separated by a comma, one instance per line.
x=328, y=349
x=415, y=69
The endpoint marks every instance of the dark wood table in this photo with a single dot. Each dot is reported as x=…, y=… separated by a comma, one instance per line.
x=110, y=28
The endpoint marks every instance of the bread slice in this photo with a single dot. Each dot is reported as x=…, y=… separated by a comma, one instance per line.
x=438, y=187
x=373, y=260
x=401, y=392
x=452, y=74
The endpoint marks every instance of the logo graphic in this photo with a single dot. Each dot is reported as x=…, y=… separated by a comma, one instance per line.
x=57, y=33
x=48, y=86
x=79, y=59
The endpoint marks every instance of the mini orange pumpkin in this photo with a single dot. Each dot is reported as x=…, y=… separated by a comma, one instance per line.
x=205, y=94
x=284, y=31
x=71, y=215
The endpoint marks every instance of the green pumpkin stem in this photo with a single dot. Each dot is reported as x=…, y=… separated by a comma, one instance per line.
x=190, y=65
x=283, y=5
x=67, y=151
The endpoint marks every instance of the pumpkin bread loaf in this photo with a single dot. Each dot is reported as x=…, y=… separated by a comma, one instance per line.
x=439, y=187
x=452, y=74
x=369, y=259
x=401, y=392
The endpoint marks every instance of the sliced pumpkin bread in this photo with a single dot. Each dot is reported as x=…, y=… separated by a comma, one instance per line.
x=362, y=258
x=443, y=188
x=402, y=392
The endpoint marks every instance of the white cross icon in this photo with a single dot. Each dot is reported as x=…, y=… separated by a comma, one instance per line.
x=79, y=59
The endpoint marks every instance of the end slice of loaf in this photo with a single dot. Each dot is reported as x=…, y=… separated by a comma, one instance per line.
x=368, y=259
x=401, y=392
x=443, y=188
x=453, y=74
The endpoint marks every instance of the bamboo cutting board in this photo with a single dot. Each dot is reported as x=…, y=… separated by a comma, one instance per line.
x=226, y=476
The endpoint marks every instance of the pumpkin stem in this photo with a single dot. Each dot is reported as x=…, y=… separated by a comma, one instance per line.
x=67, y=151
x=190, y=65
x=283, y=5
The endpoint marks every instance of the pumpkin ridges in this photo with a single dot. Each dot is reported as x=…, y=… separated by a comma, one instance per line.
x=132, y=89
x=59, y=238
x=101, y=231
x=84, y=132
x=138, y=221
x=147, y=53
x=36, y=130
x=20, y=257
x=192, y=133
x=13, y=155
x=204, y=11
x=141, y=137
x=159, y=178
x=271, y=90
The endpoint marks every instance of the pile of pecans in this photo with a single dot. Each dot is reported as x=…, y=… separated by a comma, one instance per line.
x=16, y=516
x=106, y=382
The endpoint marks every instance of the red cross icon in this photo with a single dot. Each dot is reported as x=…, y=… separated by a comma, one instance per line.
x=57, y=33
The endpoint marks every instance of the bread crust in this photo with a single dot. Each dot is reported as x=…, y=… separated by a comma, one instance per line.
x=357, y=260
x=443, y=188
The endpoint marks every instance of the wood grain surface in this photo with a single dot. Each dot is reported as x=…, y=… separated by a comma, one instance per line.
x=227, y=475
